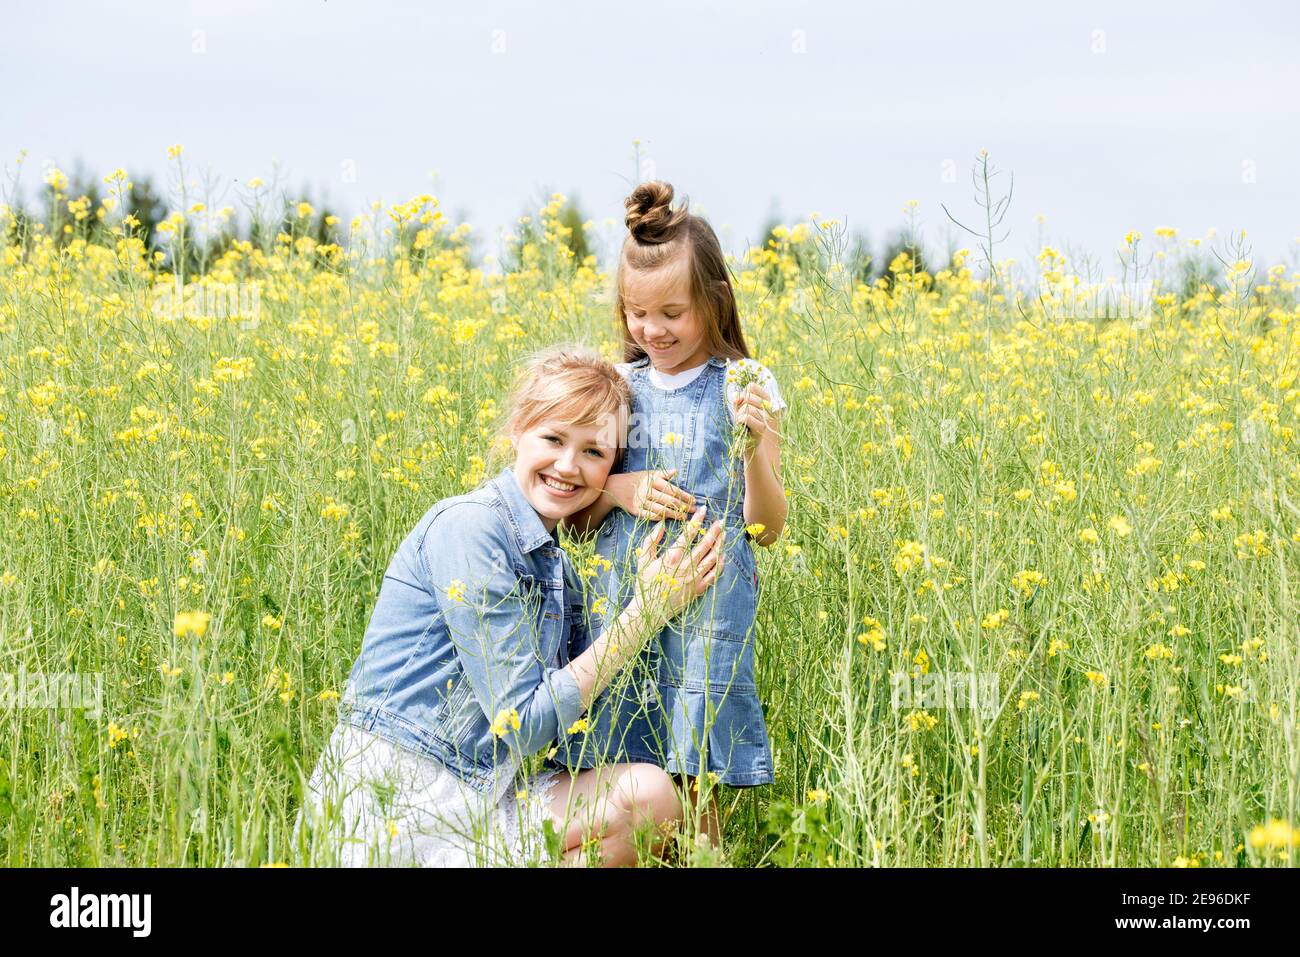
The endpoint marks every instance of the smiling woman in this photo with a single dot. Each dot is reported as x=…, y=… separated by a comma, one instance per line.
x=465, y=668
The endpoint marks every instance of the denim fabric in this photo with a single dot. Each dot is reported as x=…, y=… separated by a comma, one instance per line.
x=689, y=703
x=473, y=619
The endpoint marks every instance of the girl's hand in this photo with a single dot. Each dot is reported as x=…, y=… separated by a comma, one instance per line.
x=650, y=495
x=751, y=411
x=669, y=582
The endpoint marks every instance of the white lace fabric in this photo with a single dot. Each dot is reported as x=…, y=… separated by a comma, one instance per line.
x=372, y=803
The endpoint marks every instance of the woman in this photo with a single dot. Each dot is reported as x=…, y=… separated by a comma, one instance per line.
x=464, y=671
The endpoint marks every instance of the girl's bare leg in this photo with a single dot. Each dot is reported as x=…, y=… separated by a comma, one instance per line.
x=709, y=814
x=611, y=804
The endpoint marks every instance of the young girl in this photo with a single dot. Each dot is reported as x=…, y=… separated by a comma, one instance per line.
x=705, y=417
x=466, y=667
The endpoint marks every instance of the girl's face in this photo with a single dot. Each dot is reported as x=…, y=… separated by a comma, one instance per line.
x=561, y=467
x=660, y=317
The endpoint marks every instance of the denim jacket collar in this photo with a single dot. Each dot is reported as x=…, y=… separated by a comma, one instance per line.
x=527, y=525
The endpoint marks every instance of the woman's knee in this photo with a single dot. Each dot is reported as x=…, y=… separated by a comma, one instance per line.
x=649, y=794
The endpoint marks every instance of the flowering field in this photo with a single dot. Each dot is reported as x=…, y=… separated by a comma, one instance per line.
x=1035, y=603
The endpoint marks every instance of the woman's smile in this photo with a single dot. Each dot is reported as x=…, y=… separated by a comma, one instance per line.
x=558, y=487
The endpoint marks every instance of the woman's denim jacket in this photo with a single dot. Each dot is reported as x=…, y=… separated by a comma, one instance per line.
x=472, y=627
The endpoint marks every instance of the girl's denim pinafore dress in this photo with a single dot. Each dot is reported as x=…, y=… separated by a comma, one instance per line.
x=688, y=703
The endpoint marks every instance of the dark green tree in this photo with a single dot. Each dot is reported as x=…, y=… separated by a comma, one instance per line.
x=148, y=208
x=571, y=216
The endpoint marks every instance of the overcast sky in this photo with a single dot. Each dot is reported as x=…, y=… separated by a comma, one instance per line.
x=1113, y=116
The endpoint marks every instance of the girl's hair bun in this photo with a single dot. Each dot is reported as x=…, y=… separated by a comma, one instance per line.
x=650, y=217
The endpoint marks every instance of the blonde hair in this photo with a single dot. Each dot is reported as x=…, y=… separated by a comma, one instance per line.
x=657, y=233
x=570, y=384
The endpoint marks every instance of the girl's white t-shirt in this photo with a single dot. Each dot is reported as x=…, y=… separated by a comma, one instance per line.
x=669, y=382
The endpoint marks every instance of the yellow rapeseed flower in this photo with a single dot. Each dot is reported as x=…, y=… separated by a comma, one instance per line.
x=191, y=623
x=920, y=720
x=1277, y=833
x=507, y=720
x=910, y=555
x=995, y=619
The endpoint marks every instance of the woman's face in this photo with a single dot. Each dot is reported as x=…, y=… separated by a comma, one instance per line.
x=660, y=319
x=562, y=467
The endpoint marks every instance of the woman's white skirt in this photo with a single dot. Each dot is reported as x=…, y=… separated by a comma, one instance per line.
x=371, y=803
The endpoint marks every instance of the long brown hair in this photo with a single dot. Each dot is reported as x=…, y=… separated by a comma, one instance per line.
x=656, y=234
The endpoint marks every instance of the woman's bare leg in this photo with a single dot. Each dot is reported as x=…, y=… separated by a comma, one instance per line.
x=611, y=804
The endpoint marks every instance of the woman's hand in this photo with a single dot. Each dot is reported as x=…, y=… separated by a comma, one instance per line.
x=667, y=583
x=650, y=495
x=752, y=412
